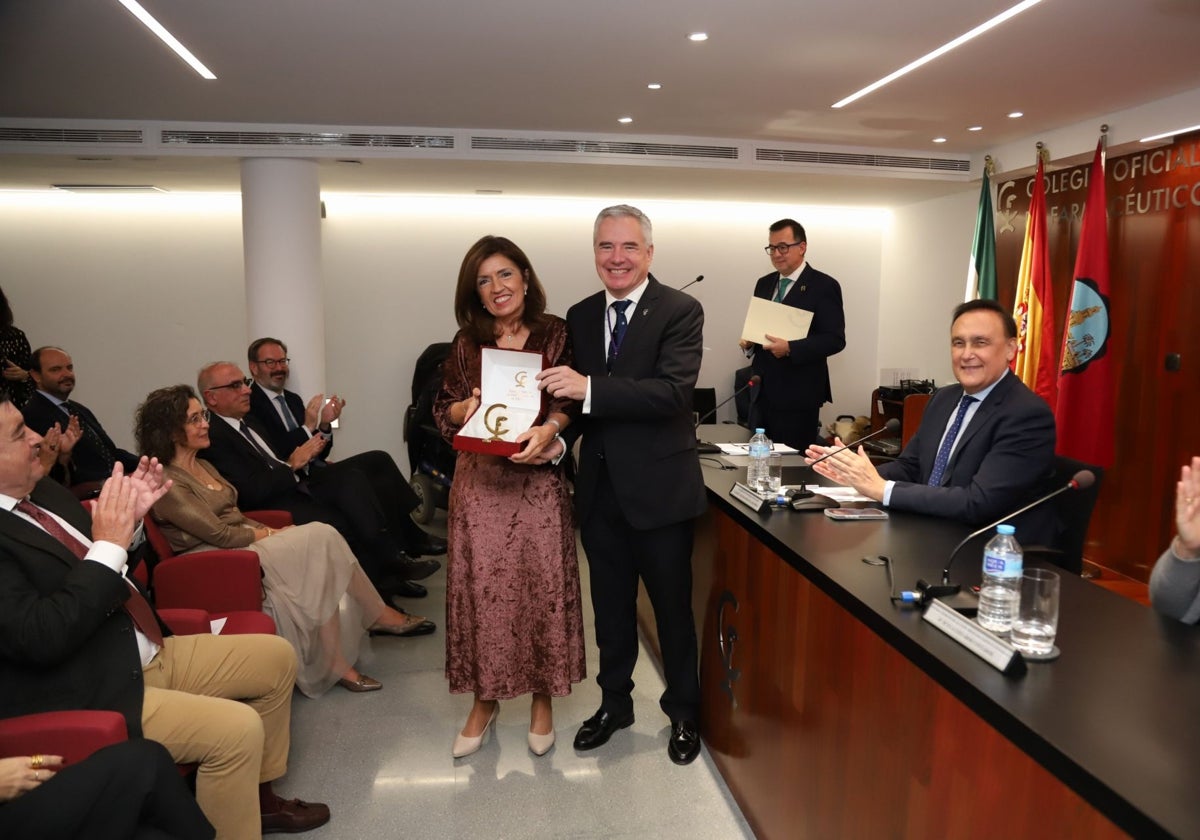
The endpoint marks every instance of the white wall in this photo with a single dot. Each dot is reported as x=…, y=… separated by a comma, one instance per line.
x=926, y=251
x=144, y=290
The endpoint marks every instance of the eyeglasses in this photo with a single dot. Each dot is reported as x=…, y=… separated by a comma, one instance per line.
x=274, y=363
x=232, y=386
x=782, y=247
x=197, y=419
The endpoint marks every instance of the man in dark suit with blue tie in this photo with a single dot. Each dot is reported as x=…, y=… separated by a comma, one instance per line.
x=795, y=374
x=985, y=446
x=637, y=347
x=93, y=455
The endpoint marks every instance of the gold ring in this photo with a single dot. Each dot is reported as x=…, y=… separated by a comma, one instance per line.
x=36, y=761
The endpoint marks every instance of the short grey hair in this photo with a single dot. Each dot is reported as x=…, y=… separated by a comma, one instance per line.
x=204, y=379
x=625, y=211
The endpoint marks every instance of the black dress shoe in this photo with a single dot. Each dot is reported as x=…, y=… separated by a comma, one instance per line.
x=684, y=745
x=428, y=545
x=408, y=589
x=597, y=729
x=406, y=568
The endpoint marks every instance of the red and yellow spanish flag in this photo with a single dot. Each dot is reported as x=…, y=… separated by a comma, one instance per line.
x=1085, y=409
x=1033, y=307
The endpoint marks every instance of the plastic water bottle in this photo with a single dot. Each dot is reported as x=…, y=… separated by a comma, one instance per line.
x=1000, y=593
x=757, y=473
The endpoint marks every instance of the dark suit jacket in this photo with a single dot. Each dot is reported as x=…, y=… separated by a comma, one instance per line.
x=262, y=408
x=260, y=486
x=1003, y=460
x=801, y=379
x=88, y=463
x=65, y=641
x=641, y=416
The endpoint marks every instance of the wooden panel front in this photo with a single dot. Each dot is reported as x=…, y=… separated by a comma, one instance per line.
x=829, y=732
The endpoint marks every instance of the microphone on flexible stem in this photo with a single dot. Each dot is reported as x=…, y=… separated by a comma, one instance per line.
x=694, y=282
x=892, y=426
x=705, y=448
x=925, y=591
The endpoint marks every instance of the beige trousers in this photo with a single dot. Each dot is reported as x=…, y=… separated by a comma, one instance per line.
x=193, y=687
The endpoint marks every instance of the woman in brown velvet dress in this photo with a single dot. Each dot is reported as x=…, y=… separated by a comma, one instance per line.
x=514, y=623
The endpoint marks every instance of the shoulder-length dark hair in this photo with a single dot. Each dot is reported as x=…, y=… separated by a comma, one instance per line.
x=159, y=421
x=473, y=318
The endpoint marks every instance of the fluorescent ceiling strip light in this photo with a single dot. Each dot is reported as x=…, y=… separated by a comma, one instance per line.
x=1167, y=134
x=166, y=37
x=940, y=51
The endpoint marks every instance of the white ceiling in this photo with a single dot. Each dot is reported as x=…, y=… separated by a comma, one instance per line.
x=768, y=74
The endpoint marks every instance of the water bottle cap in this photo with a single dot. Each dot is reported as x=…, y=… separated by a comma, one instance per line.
x=760, y=431
x=1006, y=529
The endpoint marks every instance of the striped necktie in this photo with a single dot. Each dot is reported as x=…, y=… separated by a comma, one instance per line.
x=943, y=456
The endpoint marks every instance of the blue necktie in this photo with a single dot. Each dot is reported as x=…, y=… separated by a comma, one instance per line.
x=289, y=422
x=618, y=331
x=943, y=456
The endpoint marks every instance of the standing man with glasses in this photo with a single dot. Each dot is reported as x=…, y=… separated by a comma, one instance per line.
x=795, y=374
x=637, y=347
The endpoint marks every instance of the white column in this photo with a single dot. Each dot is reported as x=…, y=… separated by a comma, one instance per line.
x=281, y=243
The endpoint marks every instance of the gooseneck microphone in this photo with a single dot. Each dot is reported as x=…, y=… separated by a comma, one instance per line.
x=892, y=425
x=752, y=382
x=705, y=448
x=694, y=282
x=1080, y=481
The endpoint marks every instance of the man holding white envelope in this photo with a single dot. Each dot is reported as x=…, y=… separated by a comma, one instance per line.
x=789, y=350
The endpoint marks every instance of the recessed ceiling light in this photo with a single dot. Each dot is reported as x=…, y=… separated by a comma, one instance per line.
x=1016, y=115
x=940, y=51
x=1171, y=133
x=624, y=120
x=939, y=139
x=166, y=37
x=654, y=86
x=698, y=36
x=975, y=128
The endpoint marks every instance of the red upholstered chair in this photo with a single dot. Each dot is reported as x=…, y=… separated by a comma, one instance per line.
x=74, y=734
x=225, y=582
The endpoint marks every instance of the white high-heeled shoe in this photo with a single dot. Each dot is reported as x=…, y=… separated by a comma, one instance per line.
x=540, y=744
x=465, y=745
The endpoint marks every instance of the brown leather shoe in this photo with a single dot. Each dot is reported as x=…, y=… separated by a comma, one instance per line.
x=294, y=816
x=363, y=683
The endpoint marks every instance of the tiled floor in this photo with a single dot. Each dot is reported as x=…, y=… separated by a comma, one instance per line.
x=382, y=760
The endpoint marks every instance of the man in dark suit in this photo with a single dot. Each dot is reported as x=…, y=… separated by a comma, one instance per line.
x=290, y=423
x=795, y=374
x=75, y=633
x=985, y=446
x=637, y=351
x=91, y=459
x=266, y=479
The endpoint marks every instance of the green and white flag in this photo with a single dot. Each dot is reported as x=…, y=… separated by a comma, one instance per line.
x=981, y=274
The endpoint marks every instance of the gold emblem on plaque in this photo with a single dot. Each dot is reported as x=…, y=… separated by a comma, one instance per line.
x=521, y=377
x=496, y=426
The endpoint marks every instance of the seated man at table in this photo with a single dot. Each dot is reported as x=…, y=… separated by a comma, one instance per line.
x=985, y=446
x=76, y=633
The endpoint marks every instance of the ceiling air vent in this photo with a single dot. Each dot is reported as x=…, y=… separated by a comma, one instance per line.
x=604, y=147
x=863, y=160
x=13, y=134
x=320, y=139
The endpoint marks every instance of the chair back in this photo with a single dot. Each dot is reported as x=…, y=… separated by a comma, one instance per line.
x=1074, y=511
